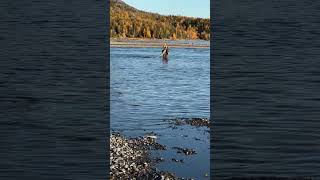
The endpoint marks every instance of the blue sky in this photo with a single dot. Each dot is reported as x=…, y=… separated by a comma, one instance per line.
x=193, y=8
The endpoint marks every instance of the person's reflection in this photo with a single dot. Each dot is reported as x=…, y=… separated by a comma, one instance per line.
x=165, y=60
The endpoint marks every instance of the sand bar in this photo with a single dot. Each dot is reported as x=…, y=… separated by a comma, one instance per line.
x=156, y=43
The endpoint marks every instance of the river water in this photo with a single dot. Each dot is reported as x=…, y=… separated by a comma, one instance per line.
x=265, y=77
x=146, y=91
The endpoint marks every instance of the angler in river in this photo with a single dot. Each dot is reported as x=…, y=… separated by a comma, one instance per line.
x=165, y=51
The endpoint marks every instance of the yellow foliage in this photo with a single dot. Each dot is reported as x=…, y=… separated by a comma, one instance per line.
x=126, y=21
x=174, y=36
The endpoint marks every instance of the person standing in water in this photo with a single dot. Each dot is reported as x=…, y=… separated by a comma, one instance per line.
x=165, y=51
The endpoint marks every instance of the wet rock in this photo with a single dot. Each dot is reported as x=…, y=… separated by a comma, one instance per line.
x=151, y=139
x=158, y=146
x=186, y=151
x=199, y=122
x=158, y=159
x=168, y=176
x=180, y=122
x=151, y=134
x=150, y=142
x=130, y=159
x=176, y=160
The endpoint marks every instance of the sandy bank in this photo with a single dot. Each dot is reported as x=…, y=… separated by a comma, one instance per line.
x=155, y=43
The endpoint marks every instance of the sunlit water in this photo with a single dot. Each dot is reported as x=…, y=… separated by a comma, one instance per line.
x=146, y=91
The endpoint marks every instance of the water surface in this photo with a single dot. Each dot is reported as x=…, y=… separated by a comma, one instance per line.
x=147, y=90
x=53, y=90
x=266, y=89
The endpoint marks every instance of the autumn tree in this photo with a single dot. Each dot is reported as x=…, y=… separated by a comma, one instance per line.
x=126, y=21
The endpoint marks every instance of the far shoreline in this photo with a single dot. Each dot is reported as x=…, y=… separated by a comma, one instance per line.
x=144, y=42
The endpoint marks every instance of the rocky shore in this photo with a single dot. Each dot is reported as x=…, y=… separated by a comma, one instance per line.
x=130, y=159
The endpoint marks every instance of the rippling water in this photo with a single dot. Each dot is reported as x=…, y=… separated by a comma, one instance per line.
x=266, y=85
x=53, y=110
x=145, y=91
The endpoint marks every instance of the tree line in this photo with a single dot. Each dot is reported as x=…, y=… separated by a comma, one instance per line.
x=128, y=22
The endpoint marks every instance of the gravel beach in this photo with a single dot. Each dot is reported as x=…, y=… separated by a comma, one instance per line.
x=130, y=159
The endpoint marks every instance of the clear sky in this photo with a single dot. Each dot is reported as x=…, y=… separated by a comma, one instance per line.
x=193, y=8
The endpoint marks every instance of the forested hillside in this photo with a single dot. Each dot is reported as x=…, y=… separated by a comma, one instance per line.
x=128, y=22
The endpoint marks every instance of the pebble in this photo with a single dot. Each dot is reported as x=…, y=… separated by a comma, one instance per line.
x=186, y=151
x=176, y=160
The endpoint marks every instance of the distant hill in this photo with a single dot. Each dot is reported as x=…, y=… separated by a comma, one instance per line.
x=129, y=22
